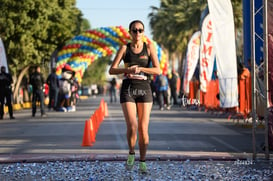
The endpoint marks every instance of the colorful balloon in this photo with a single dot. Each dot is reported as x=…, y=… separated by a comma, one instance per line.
x=83, y=49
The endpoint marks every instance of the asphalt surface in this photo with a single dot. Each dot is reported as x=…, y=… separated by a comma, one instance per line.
x=176, y=134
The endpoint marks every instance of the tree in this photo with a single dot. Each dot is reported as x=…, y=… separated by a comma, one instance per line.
x=32, y=29
x=85, y=25
x=174, y=22
x=95, y=73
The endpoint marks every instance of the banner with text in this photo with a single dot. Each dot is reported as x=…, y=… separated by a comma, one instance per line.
x=191, y=60
x=207, y=53
x=221, y=13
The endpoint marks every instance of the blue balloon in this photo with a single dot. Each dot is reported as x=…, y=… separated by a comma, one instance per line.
x=112, y=33
x=112, y=42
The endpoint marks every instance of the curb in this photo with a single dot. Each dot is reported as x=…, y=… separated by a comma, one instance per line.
x=183, y=156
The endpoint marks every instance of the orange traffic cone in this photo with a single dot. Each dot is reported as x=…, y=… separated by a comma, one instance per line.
x=99, y=114
x=102, y=102
x=86, y=140
x=105, y=109
x=102, y=107
x=95, y=122
x=92, y=132
x=102, y=112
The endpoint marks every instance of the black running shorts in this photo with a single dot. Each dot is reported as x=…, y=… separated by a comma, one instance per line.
x=133, y=90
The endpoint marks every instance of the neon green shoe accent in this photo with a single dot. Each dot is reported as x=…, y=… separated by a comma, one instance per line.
x=130, y=161
x=143, y=167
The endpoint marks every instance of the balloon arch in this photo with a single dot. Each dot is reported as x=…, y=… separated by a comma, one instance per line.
x=83, y=49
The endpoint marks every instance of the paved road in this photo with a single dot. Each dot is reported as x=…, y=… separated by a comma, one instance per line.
x=174, y=132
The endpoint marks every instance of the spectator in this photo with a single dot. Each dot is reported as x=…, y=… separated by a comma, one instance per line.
x=65, y=92
x=37, y=82
x=173, y=86
x=53, y=83
x=162, y=87
x=5, y=92
x=113, y=90
x=74, y=91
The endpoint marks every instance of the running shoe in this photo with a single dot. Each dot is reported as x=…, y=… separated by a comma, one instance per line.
x=130, y=161
x=143, y=167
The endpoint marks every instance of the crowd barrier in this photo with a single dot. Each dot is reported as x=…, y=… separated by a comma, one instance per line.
x=209, y=101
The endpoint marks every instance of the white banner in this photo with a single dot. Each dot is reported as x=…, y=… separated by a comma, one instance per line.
x=207, y=53
x=224, y=40
x=3, y=58
x=191, y=60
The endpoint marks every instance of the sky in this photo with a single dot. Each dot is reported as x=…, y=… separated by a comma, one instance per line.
x=105, y=13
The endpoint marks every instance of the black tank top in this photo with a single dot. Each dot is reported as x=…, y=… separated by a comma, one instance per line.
x=141, y=59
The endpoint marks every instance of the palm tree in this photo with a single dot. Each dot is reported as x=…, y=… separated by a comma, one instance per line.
x=174, y=22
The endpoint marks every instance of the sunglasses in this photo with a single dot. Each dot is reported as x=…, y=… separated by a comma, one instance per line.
x=137, y=30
